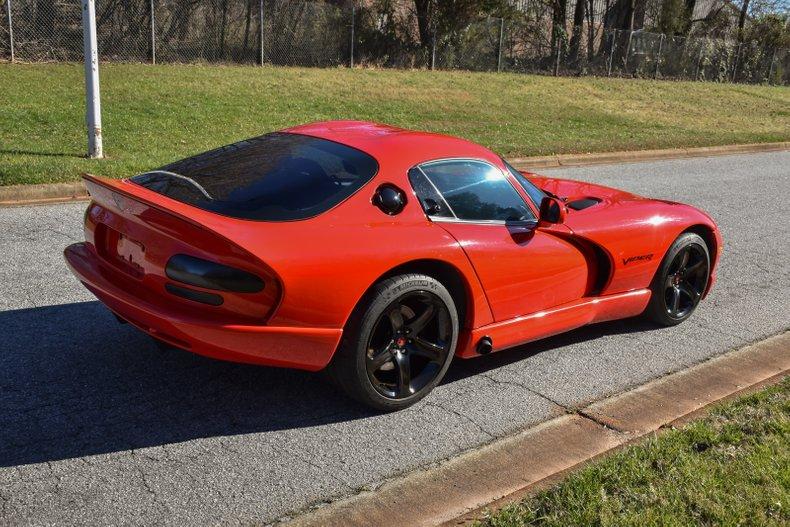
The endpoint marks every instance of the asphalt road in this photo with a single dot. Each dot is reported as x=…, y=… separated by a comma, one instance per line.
x=98, y=426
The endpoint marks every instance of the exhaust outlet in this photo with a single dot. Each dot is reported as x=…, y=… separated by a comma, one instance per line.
x=485, y=345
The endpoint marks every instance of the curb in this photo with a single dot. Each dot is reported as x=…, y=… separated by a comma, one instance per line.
x=15, y=195
x=458, y=491
x=572, y=160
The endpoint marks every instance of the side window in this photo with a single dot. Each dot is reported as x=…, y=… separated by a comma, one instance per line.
x=534, y=193
x=477, y=191
x=432, y=203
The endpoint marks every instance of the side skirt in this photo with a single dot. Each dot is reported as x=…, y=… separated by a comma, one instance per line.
x=527, y=328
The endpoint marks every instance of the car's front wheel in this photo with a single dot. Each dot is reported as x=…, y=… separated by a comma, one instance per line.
x=398, y=343
x=680, y=282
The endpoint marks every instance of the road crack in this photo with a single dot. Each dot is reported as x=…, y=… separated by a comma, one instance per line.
x=304, y=459
x=466, y=418
x=571, y=410
x=144, y=479
x=564, y=408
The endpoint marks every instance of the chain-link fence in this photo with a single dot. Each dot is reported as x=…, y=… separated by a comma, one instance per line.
x=298, y=33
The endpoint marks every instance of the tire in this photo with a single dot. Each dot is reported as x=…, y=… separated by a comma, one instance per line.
x=404, y=329
x=680, y=281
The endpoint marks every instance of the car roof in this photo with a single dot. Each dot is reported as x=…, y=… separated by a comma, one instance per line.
x=385, y=142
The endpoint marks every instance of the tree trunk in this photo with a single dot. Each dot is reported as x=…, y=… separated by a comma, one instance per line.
x=578, y=29
x=616, y=16
x=247, y=17
x=591, y=31
x=742, y=19
x=690, y=6
x=424, y=11
x=558, y=18
x=223, y=29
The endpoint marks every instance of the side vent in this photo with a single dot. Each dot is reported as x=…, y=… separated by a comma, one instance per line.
x=583, y=203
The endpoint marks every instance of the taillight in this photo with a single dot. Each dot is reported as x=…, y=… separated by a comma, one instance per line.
x=210, y=275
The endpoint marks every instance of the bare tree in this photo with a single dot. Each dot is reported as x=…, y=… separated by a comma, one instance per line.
x=558, y=18
x=577, y=32
x=742, y=18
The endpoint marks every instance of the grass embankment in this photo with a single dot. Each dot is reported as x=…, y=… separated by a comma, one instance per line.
x=156, y=114
x=730, y=468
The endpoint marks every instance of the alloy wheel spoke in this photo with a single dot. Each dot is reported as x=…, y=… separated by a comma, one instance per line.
x=396, y=318
x=417, y=325
x=380, y=359
x=429, y=350
x=675, y=300
x=684, y=260
x=404, y=374
x=690, y=292
x=695, y=267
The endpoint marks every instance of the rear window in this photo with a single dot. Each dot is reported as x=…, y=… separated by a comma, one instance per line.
x=274, y=177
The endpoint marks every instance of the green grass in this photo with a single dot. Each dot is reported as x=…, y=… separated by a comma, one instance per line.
x=156, y=114
x=730, y=468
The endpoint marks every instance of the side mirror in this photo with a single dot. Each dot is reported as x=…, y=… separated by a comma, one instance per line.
x=431, y=207
x=552, y=210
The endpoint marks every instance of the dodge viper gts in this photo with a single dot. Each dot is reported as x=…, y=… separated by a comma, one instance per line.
x=379, y=254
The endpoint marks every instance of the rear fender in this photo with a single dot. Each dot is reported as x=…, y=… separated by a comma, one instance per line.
x=135, y=238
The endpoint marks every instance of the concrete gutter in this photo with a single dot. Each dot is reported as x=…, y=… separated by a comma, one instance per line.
x=15, y=195
x=459, y=490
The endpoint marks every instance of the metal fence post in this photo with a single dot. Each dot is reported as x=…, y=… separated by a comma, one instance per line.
x=611, y=54
x=93, y=104
x=627, y=51
x=658, y=58
x=260, y=29
x=559, y=51
x=10, y=29
x=771, y=67
x=433, y=51
x=499, y=48
x=353, y=16
x=699, y=61
x=153, y=34
x=737, y=57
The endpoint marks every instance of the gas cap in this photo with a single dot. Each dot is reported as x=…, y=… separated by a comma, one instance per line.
x=390, y=199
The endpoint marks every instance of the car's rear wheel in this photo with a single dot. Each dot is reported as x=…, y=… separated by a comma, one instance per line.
x=680, y=281
x=398, y=343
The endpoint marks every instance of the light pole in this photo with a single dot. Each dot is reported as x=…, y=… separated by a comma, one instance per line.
x=10, y=29
x=92, y=98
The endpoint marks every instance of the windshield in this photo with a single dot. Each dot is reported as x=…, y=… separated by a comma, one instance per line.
x=274, y=177
x=535, y=194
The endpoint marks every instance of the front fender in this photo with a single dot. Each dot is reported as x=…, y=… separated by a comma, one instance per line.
x=636, y=236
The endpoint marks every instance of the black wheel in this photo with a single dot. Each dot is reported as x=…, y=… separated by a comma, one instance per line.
x=680, y=281
x=398, y=343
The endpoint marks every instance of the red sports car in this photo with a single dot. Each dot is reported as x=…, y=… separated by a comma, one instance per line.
x=379, y=253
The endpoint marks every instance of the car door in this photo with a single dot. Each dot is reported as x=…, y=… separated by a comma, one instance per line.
x=524, y=269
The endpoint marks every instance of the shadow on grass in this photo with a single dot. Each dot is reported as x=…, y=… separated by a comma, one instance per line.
x=73, y=382
x=41, y=154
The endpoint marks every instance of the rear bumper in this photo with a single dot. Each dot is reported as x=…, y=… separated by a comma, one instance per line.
x=292, y=347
